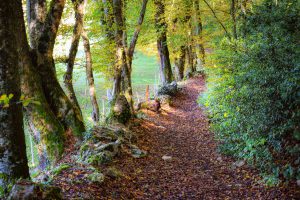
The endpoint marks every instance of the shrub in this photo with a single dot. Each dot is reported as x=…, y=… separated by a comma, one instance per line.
x=253, y=94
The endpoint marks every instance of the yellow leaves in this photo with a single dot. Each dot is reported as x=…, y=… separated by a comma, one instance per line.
x=225, y=115
x=4, y=100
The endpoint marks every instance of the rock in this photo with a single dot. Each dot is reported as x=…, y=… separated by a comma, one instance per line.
x=32, y=191
x=102, y=144
x=136, y=152
x=219, y=159
x=102, y=157
x=112, y=147
x=153, y=105
x=167, y=158
x=168, y=89
x=96, y=177
x=239, y=163
x=165, y=99
x=298, y=183
x=114, y=173
x=121, y=110
x=189, y=75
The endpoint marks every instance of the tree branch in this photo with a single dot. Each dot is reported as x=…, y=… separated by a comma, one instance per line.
x=137, y=29
x=218, y=20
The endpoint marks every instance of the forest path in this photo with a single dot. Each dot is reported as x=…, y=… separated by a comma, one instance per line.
x=195, y=171
x=191, y=168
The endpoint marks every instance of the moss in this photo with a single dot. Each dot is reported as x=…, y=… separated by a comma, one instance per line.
x=114, y=173
x=100, y=158
x=96, y=177
x=56, y=171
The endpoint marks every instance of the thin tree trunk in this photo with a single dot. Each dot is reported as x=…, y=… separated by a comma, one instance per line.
x=13, y=160
x=190, y=68
x=78, y=27
x=180, y=63
x=90, y=77
x=128, y=70
x=233, y=17
x=200, y=51
x=163, y=51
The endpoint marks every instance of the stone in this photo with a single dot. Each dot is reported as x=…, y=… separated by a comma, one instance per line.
x=168, y=89
x=165, y=99
x=153, y=105
x=219, y=159
x=167, y=158
x=96, y=177
x=114, y=173
x=100, y=158
x=136, y=152
x=32, y=191
x=239, y=163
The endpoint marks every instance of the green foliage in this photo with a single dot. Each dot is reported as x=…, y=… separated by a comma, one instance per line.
x=5, y=99
x=57, y=170
x=253, y=94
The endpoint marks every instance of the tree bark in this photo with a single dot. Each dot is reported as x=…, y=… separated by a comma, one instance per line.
x=78, y=27
x=130, y=51
x=90, y=77
x=47, y=130
x=120, y=56
x=68, y=114
x=190, y=67
x=162, y=46
x=13, y=160
x=200, y=51
x=180, y=63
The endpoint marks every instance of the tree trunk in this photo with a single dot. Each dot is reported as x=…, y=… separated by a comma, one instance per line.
x=130, y=51
x=120, y=56
x=13, y=160
x=180, y=63
x=200, y=51
x=190, y=67
x=47, y=130
x=90, y=77
x=162, y=46
x=233, y=17
x=61, y=106
x=78, y=27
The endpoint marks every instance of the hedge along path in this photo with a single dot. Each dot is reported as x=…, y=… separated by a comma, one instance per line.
x=195, y=169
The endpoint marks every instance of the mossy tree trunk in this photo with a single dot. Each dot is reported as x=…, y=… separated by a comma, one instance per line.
x=46, y=127
x=166, y=74
x=13, y=160
x=68, y=114
x=120, y=56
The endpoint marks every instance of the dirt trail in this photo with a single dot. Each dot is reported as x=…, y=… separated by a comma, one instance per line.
x=195, y=170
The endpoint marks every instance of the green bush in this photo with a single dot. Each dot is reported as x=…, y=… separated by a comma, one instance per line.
x=253, y=93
